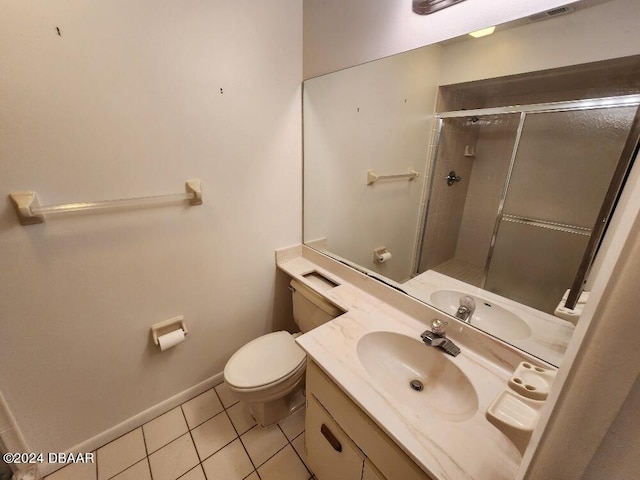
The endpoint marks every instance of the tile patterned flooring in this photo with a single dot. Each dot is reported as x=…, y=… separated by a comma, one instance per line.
x=461, y=270
x=209, y=437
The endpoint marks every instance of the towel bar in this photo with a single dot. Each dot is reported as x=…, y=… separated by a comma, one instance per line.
x=30, y=211
x=373, y=177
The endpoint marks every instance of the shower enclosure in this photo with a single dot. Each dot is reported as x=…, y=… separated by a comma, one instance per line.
x=516, y=191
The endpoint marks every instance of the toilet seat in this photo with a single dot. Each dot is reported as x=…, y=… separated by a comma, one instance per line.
x=267, y=360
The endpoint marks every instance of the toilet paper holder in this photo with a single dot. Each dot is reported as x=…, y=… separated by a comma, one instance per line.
x=381, y=255
x=162, y=328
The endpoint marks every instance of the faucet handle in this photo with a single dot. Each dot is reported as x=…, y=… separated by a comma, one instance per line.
x=438, y=327
x=468, y=301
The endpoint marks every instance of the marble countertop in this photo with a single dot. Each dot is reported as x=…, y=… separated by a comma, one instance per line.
x=472, y=448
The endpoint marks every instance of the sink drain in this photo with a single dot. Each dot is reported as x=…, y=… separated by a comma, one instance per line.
x=416, y=385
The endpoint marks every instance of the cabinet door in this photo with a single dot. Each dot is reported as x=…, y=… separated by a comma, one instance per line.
x=370, y=472
x=331, y=454
x=376, y=445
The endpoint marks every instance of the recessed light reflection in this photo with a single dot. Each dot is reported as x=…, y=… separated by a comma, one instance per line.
x=483, y=33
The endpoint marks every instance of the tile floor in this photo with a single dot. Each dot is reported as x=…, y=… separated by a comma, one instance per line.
x=210, y=437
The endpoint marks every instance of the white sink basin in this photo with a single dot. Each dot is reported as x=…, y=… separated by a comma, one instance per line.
x=488, y=316
x=393, y=361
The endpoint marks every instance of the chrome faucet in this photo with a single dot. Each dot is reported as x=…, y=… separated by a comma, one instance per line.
x=466, y=308
x=437, y=337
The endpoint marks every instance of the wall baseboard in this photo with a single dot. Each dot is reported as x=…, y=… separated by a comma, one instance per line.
x=135, y=421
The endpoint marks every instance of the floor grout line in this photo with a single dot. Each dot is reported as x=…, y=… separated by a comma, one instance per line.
x=193, y=442
x=238, y=436
x=146, y=449
x=255, y=469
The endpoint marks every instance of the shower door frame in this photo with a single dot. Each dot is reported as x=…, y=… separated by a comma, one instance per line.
x=523, y=110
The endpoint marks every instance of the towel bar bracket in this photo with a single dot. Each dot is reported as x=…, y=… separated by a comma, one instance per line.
x=195, y=187
x=23, y=202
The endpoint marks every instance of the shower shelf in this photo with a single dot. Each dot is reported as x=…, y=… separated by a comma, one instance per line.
x=30, y=211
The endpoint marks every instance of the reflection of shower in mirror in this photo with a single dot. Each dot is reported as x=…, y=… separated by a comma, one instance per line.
x=514, y=228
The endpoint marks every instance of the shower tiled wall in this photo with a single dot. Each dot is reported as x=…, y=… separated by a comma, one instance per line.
x=462, y=216
x=446, y=205
x=486, y=185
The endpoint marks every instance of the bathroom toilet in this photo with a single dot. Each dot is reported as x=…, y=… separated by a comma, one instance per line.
x=268, y=373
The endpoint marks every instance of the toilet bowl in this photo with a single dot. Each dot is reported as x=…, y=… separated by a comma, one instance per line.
x=268, y=372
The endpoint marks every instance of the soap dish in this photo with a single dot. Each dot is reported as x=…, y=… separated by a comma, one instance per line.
x=515, y=416
x=531, y=381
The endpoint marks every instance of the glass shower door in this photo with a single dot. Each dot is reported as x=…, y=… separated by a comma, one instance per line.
x=563, y=165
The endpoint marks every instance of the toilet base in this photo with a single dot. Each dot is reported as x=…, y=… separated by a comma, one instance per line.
x=269, y=413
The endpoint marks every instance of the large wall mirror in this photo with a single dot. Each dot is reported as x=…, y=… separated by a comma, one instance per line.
x=471, y=174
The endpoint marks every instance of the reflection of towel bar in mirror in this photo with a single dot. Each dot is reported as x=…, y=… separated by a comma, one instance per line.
x=561, y=227
x=373, y=177
x=30, y=211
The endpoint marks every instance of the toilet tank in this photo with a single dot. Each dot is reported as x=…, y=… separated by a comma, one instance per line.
x=310, y=309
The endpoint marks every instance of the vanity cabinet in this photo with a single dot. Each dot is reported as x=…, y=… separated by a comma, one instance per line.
x=343, y=442
x=330, y=451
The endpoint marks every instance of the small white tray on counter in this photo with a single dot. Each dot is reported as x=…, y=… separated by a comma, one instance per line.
x=531, y=381
x=515, y=416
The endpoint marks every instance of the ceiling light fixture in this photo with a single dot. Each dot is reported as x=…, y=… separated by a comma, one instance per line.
x=483, y=33
x=425, y=7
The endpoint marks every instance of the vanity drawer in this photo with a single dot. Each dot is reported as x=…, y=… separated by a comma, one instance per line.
x=330, y=452
x=392, y=462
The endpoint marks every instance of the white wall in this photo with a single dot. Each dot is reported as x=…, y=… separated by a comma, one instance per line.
x=339, y=34
x=617, y=456
x=125, y=102
x=369, y=118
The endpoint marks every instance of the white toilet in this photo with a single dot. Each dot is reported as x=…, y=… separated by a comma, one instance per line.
x=268, y=372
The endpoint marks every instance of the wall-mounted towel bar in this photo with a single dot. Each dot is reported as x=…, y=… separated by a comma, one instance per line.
x=373, y=177
x=30, y=211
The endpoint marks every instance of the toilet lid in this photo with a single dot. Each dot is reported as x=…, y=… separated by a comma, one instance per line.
x=264, y=360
